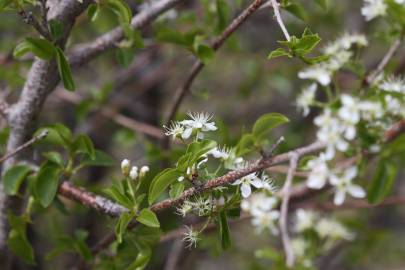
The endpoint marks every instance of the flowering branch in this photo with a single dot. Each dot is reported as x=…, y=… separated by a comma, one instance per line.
x=284, y=210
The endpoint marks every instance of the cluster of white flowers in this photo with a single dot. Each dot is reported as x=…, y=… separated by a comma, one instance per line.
x=394, y=100
x=339, y=54
x=133, y=172
x=328, y=230
x=199, y=123
x=261, y=207
x=373, y=9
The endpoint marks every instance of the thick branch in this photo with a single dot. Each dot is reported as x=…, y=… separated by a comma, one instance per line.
x=82, y=196
x=85, y=52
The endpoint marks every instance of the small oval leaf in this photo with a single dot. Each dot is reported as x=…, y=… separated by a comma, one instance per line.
x=148, y=218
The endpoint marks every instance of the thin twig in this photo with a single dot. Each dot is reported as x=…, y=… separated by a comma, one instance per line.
x=39, y=137
x=384, y=61
x=279, y=19
x=119, y=119
x=198, y=65
x=29, y=18
x=174, y=255
x=294, y=156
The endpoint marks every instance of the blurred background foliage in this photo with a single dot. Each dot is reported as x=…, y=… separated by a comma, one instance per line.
x=238, y=85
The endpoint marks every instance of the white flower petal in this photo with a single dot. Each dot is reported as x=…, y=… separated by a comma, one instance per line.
x=246, y=190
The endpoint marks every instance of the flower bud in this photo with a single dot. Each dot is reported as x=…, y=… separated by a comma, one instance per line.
x=125, y=167
x=133, y=174
x=143, y=171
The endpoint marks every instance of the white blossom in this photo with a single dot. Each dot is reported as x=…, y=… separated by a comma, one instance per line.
x=318, y=73
x=344, y=184
x=319, y=173
x=400, y=1
x=133, y=174
x=199, y=122
x=393, y=84
x=190, y=237
x=125, y=164
x=373, y=8
x=306, y=98
x=349, y=113
x=184, y=209
x=305, y=219
x=246, y=182
x=176, y=130
x=327, y=227
x=261, y=208
x=143, y=171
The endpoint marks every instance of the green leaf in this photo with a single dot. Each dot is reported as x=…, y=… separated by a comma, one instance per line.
x=176, y=190
x=382, y=182
x=100, y=159
x=64, y=70
x=322, y=3
x=222, y=14
x=17, y=239
x=121, y=9
x=296, y=10
x=41, y=48
x=83, y=144
x=58, y=134
x=122, y=225
x=14, y=177
x=142, y=259
x=117, y=193
x=56, y=28
x=148, y=218
x=171, y=36
x=46, y=183
x=54, y=157
x=266, y=123
x=161, y=182
x=278, y=53
x=93, y=12
x=196, y=150
x=245, y=144
x=205, y=53
x=124, y=56
x=224, y=230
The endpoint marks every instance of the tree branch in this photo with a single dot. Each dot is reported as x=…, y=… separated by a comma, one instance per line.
x=83, y=53
x=42, y=79
x=384, y=61
x=24, y=145
x=279, y=19
x=284, y=210
x=199, y=65
x=89, y=199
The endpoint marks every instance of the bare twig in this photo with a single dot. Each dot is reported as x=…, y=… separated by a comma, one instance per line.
x=82, y=196
x=4, y=107
x=198, y=65
x=29, y=18
x=174, y=255
x=25, y=145
x=120, y=119
x=384, y=61
x=279, y=19
x=284, y=210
